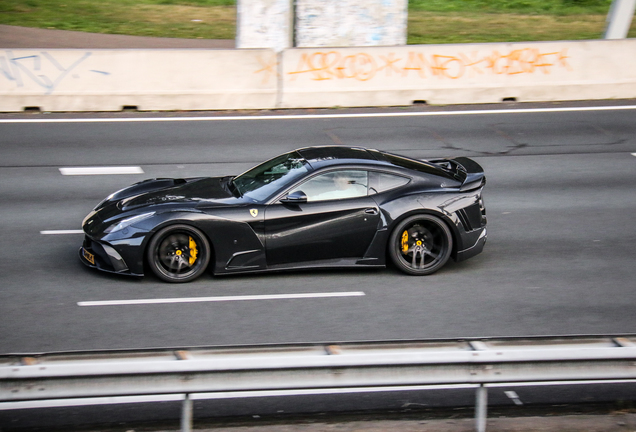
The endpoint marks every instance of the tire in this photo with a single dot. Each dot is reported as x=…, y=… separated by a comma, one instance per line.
x=178, y=253
x=420, y=245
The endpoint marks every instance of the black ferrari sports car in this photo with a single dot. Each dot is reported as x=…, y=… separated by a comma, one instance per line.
x=309, y=208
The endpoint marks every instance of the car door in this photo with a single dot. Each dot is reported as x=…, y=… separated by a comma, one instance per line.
x=332, y=223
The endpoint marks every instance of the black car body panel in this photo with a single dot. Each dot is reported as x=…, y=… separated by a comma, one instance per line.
x=263, y=220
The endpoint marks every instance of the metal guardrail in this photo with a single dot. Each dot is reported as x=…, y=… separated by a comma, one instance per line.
x=226, y=371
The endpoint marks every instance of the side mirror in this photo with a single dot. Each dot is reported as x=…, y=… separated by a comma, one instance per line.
x=297, y=197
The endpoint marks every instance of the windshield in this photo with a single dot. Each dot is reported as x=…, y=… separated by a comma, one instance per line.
x=264, y=180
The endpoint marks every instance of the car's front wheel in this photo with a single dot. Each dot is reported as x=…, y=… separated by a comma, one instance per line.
x=178, y=253
x=420, y=244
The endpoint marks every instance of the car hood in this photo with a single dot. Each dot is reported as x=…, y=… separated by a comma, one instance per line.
x=159, y=191
x=158, y=195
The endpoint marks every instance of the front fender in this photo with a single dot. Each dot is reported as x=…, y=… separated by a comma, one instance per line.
x=235, y=245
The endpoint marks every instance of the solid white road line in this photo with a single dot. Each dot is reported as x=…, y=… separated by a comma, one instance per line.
x=633, y=154
x=322, y=116
x=57, y=232
x=220, y=299
x=101, y=170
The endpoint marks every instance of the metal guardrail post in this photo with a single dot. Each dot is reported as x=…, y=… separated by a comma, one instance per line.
x=186, y=414
x=481, y=408
x=619, y=19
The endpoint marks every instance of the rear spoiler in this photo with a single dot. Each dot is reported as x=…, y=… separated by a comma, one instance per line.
x=469, y=172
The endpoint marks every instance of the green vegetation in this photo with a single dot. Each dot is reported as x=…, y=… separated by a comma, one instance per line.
x=430, y=21
x=456, y=27
x=513, y=6
x=461, y=21
x=208, y=19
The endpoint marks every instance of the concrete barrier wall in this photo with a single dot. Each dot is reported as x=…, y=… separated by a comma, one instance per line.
x=107, y=80
x=453, y=74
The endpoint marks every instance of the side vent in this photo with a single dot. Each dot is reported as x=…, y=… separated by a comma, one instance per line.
x=463, y=217
x=470, y=216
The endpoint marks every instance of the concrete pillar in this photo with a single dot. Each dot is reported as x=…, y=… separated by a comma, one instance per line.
x=344, y=23
x=264, y=24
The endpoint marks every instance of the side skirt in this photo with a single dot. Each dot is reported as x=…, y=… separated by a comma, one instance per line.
x=309, y=265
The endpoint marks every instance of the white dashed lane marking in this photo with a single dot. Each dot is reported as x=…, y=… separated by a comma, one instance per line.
x=101, y=170
x=220, y=299
x=513, y=397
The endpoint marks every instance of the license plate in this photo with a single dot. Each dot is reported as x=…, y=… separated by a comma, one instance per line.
x=89, y=257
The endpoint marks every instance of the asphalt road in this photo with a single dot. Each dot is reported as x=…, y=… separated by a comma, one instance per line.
x=559, y=259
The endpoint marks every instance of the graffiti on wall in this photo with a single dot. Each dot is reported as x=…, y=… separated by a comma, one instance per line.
x=362, y=66
x=269, y=68
x=43, y=69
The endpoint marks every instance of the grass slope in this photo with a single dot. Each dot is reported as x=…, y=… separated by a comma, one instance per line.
x=429, y=21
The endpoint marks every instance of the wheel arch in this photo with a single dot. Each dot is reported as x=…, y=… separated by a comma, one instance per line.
x=452, y=226
x=174, y=222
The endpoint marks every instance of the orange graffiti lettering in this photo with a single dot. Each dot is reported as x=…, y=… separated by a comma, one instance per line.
x=333, y=65
x=415, y=62
x=389, y=64
x=269, y=67
x=447, y=66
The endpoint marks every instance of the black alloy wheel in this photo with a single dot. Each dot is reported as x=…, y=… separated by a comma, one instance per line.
x=420, y=244
x=178, y=253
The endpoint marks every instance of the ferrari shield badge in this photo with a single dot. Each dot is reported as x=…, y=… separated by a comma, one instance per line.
x=254, y=212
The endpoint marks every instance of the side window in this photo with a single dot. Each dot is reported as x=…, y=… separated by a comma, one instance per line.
x=335, y=185
x=380, y=182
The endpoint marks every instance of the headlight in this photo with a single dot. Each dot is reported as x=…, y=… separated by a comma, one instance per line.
x=88, y=216
x=125, y=223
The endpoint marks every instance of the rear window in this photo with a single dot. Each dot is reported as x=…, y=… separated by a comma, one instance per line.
x=381, y=182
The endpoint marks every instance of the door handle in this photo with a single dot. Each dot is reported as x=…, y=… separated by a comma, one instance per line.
x=371, y=211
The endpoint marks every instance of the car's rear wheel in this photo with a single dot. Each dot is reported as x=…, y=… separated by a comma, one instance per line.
x=178, y=253
x=420, y=244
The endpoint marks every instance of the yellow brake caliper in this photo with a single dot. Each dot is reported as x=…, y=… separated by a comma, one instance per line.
x=405, y=242
x=193, y=251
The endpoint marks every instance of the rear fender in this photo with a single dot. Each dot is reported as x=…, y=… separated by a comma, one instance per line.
x=442, y=205
x=431, y=204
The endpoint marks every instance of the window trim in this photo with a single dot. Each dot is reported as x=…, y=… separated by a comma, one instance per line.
x=316, y=174
x=409, y=178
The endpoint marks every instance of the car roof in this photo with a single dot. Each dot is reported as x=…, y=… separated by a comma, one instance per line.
x=332, y=153
x=325, y=156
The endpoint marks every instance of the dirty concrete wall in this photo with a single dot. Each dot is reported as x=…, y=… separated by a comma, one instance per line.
x=264, y=24
x=341, y=23
x=107, y=80
x=455, y=74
